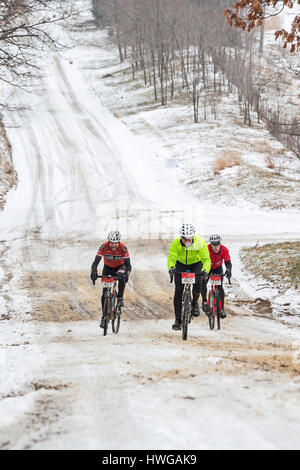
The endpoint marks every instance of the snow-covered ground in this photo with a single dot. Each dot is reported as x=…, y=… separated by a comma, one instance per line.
x=89, y=158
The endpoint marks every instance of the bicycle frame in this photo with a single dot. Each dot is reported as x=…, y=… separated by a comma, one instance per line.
x=111, y=310
x=214, y=299
x=187, y=279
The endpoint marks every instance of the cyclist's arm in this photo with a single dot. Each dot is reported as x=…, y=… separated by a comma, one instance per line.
x=127, y=264
x=226, y=257
x=173, y=255
x=96, y=262
x=126, y=258
x=205, y=258
x=228, y=265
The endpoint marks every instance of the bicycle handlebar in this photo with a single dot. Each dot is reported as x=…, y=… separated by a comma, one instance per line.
x=221, y=275
x=199, y=274
x=108, y=276
x=182, y=272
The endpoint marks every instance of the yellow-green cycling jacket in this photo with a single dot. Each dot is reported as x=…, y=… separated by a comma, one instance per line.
x=198, y=251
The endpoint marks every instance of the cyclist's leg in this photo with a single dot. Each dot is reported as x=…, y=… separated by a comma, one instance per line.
x=102, y=305
x=106, y=271
x=121, y=284
x=204, y=295
x=204, y=290
x=222, y=296
x=196, y=268
x=121, y=288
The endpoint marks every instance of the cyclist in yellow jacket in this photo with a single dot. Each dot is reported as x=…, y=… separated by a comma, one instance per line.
x=188, y=252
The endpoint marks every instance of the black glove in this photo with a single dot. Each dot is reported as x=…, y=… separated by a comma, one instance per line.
x=172, y=273
x=228, y=273
x=205, y=275
x=94, y=276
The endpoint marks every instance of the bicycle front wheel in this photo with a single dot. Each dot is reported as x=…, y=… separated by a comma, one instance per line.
x=218, y=308
x=186, y=312
x=211, y=316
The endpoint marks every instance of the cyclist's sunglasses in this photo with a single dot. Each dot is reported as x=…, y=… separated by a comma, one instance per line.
x=189, y=239
x=216, y=244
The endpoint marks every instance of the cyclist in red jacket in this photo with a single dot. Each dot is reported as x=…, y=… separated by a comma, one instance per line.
x=218, y=254
x=116, y=263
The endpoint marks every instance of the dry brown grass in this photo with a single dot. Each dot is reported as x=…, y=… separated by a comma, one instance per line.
x=281, y=265
x=226, y=159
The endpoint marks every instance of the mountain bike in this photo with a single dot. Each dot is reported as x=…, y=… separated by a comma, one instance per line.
x=214, y=300
x=187, y=278
x=111, y=309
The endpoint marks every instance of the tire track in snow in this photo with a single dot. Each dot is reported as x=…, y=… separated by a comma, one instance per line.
x=115, y=163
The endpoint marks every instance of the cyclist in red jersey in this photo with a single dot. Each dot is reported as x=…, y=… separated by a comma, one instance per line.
x=116, y=263
x=218, y=254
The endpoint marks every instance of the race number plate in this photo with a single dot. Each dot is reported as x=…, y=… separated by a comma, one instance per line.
x=216, y=280
x=188, y=278
x=107, y=281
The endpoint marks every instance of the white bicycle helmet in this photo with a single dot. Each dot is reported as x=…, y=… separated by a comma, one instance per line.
x=114, y=236
x=215, y=239
x=187, y=230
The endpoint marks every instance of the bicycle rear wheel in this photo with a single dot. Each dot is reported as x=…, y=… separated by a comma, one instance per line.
x=116, y=321
x=186, y=312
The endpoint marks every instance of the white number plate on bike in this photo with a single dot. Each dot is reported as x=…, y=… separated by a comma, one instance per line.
x=107, y=282
x=188, y=278
x=216, y=280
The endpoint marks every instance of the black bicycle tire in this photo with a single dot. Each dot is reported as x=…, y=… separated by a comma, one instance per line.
x=106, y=315
x=114, y=304
x=116, y=321
x=185, y=314
x=218, y=308
x=211, y=318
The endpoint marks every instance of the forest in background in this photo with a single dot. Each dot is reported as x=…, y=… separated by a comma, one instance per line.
x=186, y=49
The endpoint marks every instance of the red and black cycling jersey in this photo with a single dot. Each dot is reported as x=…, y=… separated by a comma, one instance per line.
x=113, y=259
x=218, y=258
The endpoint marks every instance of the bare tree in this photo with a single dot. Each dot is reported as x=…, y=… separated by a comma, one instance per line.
x=24, y=32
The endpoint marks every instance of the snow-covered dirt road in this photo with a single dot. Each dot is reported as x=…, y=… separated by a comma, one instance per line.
x=67, y=387
x=64, y=385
